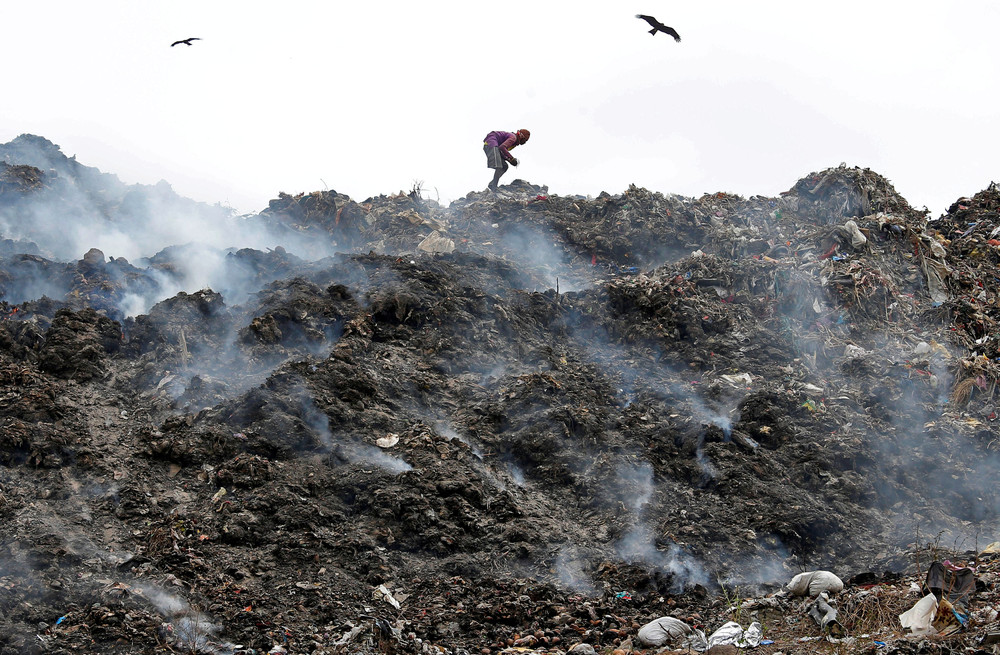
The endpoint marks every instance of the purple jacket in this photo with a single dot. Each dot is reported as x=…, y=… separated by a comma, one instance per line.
x=503, y=140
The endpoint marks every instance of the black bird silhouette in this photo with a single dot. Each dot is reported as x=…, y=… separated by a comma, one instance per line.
x=185, y=41
x=659, y=27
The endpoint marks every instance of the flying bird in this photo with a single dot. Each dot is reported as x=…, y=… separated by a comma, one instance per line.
x=185, y=41
x=659, y=27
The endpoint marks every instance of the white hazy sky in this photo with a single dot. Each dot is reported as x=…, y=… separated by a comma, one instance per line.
x=371, y=97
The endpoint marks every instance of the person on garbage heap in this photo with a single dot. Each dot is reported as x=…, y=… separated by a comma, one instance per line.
x=497, y=147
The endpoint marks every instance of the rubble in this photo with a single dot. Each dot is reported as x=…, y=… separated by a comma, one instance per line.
x=517, y=424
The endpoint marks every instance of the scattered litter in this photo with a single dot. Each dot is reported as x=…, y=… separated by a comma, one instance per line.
x=383, y=593
x=825, y=615
x=731, y=633
x=919, y=618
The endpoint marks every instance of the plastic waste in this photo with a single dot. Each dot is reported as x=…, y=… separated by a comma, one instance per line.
x=739, y=379
x=381, y=592
x=733, y=634
x=825, y=616
x=850, y=350
x=667, y=630
x=956, y=583
x=918, y=619
x=436, y=242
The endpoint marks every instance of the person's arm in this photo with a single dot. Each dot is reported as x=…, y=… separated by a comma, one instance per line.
x=505, y=147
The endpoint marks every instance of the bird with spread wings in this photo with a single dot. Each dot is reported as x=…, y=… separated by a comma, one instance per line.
x=185, y=41
x=659, y=27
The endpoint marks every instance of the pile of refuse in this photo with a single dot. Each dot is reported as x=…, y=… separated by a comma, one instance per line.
x=521, y=423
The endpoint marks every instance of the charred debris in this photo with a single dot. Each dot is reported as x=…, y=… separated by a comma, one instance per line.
x=528, y=421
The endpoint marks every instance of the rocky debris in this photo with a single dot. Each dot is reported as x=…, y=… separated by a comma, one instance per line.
x=323, y=212
x=20, y=179
x=581, y=416
x=77, y=343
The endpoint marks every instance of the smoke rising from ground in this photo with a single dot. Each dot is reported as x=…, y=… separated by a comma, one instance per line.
x=639, y=543
x=570, y=568
x=185, y=627
x=538, y=253
x=637, y=481
x=638, y=546
x=355, y=451
x=79, y=209
x=770, y=569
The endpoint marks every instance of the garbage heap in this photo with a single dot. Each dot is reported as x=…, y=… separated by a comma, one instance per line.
x=522, y=421
x=968, y=236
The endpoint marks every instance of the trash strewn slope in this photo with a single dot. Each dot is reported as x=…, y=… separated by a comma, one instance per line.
x=519, y=421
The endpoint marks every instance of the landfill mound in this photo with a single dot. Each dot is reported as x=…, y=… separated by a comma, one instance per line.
x=521, y=421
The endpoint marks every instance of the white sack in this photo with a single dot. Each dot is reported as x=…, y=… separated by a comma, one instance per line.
x=857, y=238
x=814, y=583
x=662, y=630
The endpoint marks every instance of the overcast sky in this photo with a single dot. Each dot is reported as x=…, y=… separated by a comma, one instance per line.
x=373, y=97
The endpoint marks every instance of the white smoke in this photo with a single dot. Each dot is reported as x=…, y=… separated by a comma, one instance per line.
x=185, y=627
x=362, y=454
x=570, y=571
x=81, y=208
x=638, y=546
x=537, y=253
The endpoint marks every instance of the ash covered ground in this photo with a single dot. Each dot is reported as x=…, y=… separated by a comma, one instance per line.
x=524, y=420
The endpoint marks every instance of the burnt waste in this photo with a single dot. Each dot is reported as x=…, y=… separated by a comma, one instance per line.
x=518, y=421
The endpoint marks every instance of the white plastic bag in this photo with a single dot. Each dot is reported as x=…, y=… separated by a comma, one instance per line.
x=919, y=617
x=732, y=633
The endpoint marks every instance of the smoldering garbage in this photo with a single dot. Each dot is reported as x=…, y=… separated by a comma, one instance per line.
x=505, y=436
